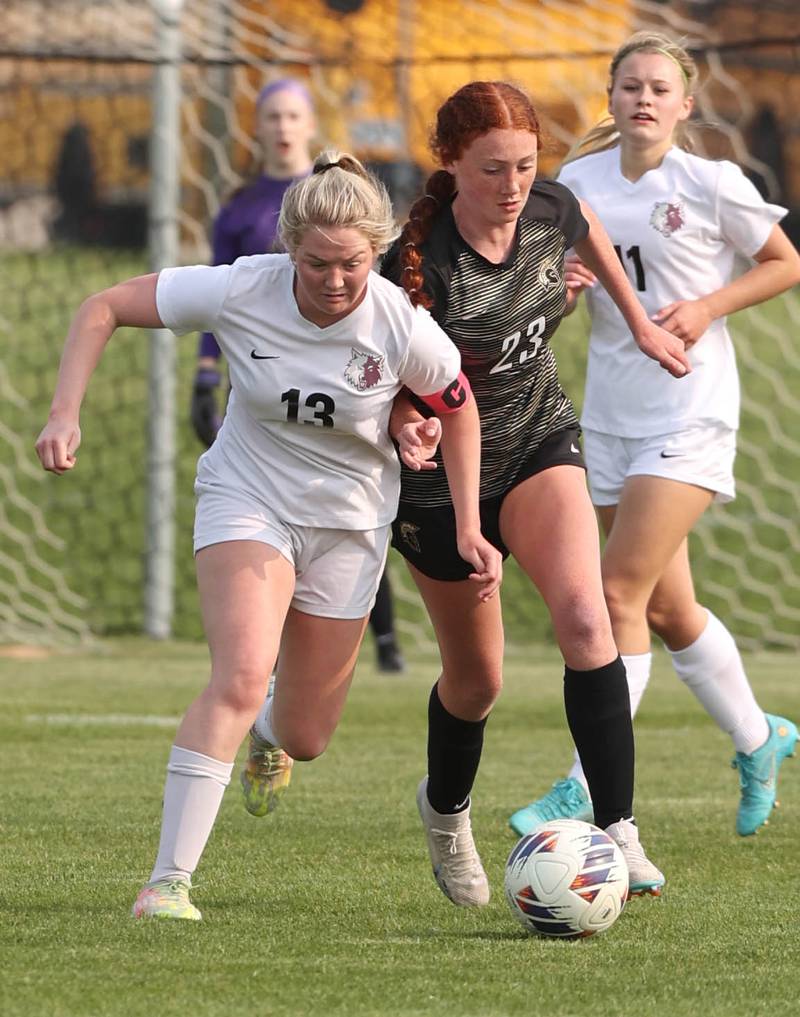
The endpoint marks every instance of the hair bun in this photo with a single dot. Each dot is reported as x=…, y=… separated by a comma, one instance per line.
x=323, y=167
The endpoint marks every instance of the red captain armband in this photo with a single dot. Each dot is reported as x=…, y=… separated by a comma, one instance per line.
x=450, y=399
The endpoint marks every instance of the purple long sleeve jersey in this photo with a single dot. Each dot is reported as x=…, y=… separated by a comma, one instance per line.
x=248, y=224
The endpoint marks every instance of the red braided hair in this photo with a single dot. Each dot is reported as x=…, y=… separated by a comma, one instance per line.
x=474, y=110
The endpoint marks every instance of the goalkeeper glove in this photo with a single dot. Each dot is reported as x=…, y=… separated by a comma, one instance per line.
x=203, y=413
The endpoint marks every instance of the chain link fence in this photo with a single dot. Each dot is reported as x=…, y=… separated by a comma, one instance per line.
x=125, y=124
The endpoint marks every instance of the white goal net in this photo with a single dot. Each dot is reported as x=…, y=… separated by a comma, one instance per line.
x=82, y=74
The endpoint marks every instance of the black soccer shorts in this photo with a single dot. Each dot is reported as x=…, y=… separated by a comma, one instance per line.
x=426, y=537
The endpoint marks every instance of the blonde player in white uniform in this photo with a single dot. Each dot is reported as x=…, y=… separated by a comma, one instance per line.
x=660, y=452
x=295, y=497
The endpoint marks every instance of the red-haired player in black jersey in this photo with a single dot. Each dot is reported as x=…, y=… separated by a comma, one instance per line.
x=484, y=251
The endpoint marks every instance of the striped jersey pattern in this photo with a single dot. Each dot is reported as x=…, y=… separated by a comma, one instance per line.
x=501, y=318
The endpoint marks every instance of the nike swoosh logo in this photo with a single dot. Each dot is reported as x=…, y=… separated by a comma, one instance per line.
x=768, y=782
x=671, y=455
x=577, y=451
x=259, y=356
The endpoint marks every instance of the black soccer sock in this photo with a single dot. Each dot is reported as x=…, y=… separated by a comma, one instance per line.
x=454, y=753
x=599, y=716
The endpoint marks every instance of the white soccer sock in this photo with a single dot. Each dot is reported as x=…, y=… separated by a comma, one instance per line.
x=637, y=669
x=576, y=772
x=263, y=722
x=713, y=671
x=193, y=792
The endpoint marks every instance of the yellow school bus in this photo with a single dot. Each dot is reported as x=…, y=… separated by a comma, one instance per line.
x=378, y=69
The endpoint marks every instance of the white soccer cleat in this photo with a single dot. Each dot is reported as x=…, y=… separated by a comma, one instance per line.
x=456, y=864
x=643, y=876
x=166, y=898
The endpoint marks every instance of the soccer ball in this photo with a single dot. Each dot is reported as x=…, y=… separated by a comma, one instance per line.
x=566, y=879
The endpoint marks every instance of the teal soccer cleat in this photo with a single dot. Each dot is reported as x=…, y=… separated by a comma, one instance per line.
x=758, y=775
x=567, y=799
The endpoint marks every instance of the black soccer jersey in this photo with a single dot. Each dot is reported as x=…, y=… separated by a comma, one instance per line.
x=501, y=318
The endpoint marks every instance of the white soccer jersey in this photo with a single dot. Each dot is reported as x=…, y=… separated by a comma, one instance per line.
x=306, y=429
x=676, y=230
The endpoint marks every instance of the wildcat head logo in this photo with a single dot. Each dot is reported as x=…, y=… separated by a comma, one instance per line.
x=667, y=217
x=364, y=370
x=549, y=277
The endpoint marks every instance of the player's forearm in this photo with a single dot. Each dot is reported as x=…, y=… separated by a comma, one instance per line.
x=403, y=412
x=571, y=304
x=762, y=282
x=598, y=254
x=461, y=452
x=129, y=303
x=91, y=328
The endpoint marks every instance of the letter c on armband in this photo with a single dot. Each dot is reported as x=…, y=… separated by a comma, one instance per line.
x=452, y=398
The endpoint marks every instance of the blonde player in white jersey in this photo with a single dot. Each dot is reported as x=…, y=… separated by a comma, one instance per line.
x=296, y=495
x=660, y=452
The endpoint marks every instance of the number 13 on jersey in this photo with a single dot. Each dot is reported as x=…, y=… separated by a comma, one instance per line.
x=323, y=406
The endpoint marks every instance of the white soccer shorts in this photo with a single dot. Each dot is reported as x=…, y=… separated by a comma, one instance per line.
x=337, y=571
x=702, y=455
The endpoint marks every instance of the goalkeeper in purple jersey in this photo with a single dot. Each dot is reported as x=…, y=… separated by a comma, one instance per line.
x=248, y=223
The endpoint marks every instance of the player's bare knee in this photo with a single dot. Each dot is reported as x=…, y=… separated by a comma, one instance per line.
x=668, y=622
x=620, y=601
x=473, y=692
x=242, y=690
x=305, y=745
x=581, y=621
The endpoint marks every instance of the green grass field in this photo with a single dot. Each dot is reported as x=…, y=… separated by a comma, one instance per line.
x=328, y=907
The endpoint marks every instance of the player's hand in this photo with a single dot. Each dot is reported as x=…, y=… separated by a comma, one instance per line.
x=203, y=412
x=664, y=347
x=577, y=276
x=417, y=443
x=486, y=560
x=686, y=319
x=57, y=444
